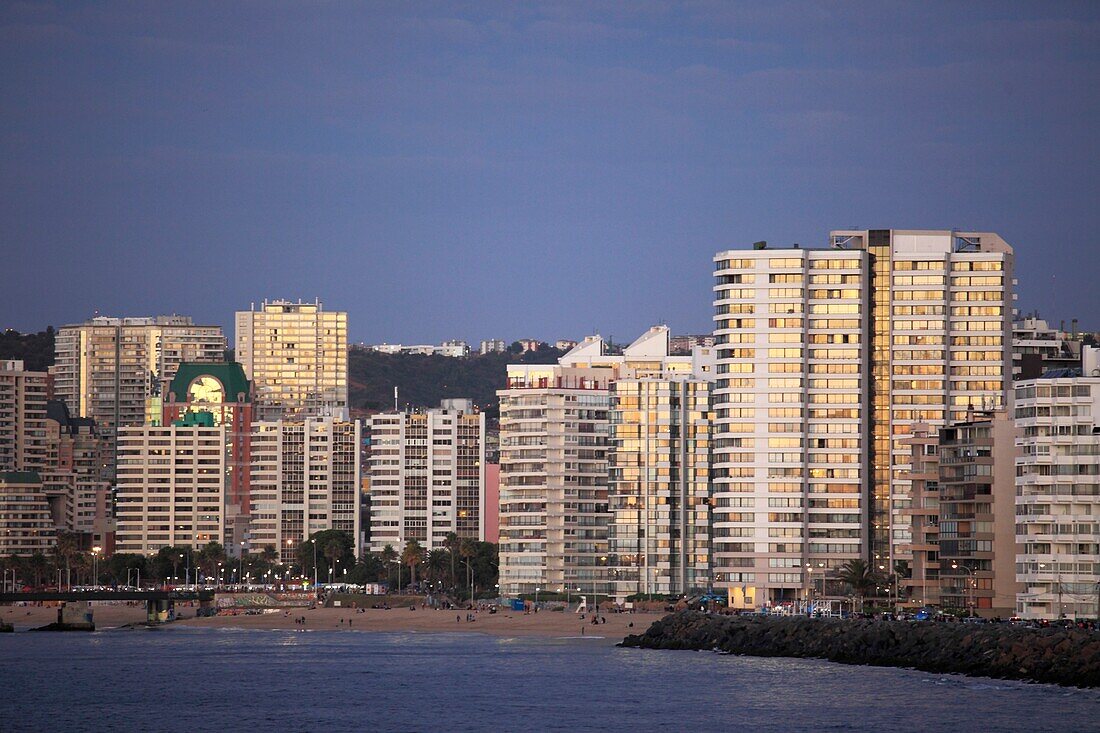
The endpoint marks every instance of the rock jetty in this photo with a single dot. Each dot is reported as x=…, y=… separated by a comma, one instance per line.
x=1052, y=655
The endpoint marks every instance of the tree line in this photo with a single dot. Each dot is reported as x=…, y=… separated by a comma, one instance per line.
x=461, y=567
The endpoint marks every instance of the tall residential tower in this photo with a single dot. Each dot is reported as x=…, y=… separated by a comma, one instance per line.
x=827, y=359
x=297, y=356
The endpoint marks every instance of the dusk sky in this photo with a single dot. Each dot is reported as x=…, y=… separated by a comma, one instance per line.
x=483, y=170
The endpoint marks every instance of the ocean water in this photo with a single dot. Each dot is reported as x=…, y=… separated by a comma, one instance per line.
x=186, y=679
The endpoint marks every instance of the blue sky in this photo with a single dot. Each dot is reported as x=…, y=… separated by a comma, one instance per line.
x=478, y=170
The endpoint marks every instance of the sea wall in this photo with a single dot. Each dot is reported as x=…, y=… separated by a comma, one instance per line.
x=1059, y=656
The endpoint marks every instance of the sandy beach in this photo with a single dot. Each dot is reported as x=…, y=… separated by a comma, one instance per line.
x=551, y=624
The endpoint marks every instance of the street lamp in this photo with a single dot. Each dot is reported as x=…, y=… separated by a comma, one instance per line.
x=314, y=541
x=537, y=589
x=240, y=574
x=955, y=566
x=897, y=580
x=95, y=565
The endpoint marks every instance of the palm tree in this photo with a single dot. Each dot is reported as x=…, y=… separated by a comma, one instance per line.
x=860, y=576
x=334, y=553
x=437, y=563
x=389, y=556
x=38, y=566
x=210, y=556
x=451, y=543
x=468, y=549
x=66, y=548
x=412, y=556
x=269, y=555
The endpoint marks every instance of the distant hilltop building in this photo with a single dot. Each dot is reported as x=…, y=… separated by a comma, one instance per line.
x=493, y=346
x=454, y=348
x=526, y=345
x=564, y=344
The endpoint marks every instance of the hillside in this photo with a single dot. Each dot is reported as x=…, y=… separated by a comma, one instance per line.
x=423, y=381
x=35, y=349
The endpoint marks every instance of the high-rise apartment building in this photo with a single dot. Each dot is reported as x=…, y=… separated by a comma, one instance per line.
x=113, y=369
x=941, y=305
x=23, y=429
x=922, y=586
x=791, y=411
x=68, y=455
x=427, y=476
x=977, y=513
x=827, y=358
x=1058, y=492
x=26, y=527
x=73, y=478
x=659, y=486
x=304, y=478
x=297, y=356
x=221, y=395
x=171, y=485
x=554, y=424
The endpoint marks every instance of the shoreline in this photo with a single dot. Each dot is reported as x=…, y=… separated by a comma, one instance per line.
x=545, y=624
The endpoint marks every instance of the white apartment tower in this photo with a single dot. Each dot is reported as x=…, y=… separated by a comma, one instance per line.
x=827, y=359
x=1058, y=492
x=171, y=487
x=297, y=355
x=659, y=480
x=427, y=476
x=554, y=426
x=304, y=478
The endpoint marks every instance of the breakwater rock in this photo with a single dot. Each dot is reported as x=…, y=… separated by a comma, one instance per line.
x=1053, y=655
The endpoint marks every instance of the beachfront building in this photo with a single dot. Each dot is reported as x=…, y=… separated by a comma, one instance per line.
x=977, y=515
x=26, y=527
x=554, y=427
x=69, y=455
x=171, y=485
x=659, y=486
x=427, y=476
x=1058, y=492
x=922, y=583
x=297, y=356
x=303, y=479
x=827, y=359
